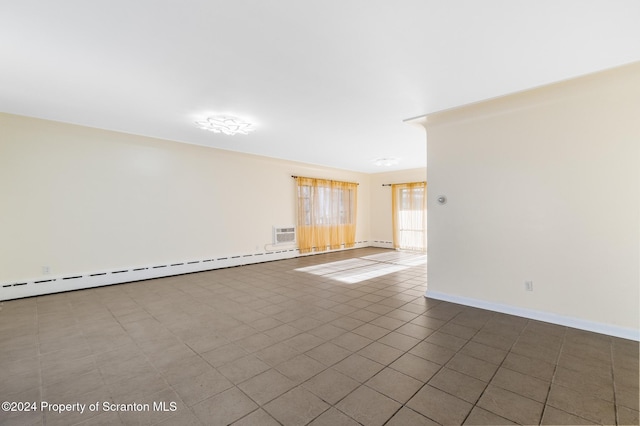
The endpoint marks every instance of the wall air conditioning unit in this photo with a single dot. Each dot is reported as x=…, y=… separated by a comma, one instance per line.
x=284, y=235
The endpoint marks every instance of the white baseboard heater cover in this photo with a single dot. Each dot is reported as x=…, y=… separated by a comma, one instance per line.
x=78, y=281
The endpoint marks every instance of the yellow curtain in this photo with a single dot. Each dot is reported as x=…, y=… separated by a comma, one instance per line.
x=409, y=205
x=326, y=214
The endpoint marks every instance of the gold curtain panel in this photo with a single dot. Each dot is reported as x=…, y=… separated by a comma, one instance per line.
x=326, y=214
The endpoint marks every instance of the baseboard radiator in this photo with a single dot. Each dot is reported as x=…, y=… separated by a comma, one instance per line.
x=382, y=244
x=56, y=284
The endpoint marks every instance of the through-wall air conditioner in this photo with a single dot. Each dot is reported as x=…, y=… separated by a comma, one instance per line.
x=284, y=234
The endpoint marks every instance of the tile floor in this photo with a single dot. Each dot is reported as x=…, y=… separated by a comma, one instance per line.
x=334, y=339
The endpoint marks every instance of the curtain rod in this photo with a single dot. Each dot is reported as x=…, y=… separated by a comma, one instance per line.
x=330, y=180
x=391, y=184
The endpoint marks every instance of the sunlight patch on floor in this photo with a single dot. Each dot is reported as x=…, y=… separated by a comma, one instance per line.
x=357, y=275
x=400, y=258
x=340, y=265
x=356, y=270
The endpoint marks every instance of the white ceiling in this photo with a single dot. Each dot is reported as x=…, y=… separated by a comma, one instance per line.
x=326, y=82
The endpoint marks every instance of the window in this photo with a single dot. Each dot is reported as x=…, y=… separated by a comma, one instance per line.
x=326, y=214
x=410, y=216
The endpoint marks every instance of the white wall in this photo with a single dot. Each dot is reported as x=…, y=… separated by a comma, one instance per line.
x=542, y=185
x=380, y=216
x=80, y=199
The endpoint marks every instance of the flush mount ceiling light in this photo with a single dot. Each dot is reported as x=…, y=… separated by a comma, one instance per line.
x=227, y=124
x=386, y=162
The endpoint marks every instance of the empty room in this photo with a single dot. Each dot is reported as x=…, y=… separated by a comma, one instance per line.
x=319, y=213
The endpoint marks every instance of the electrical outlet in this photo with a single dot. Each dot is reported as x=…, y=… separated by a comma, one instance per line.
x=46, y=270
x=528, y=285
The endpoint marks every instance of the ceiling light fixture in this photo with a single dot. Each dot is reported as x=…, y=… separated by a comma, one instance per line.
x=227, y=124
x=386, y=162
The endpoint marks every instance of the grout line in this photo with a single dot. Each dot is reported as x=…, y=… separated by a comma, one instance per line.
x=613, y=379
x=553, y=376
x=39, y=355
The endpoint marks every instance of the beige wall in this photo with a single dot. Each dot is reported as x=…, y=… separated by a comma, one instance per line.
x=381, y=224
x=543, y=186
x=80, y=199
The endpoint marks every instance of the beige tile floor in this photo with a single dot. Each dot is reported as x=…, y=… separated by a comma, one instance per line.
x=334, y=339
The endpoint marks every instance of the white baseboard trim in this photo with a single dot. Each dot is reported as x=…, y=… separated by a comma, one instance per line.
x=582, y=324
x=381, y=244
x=49, y=284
